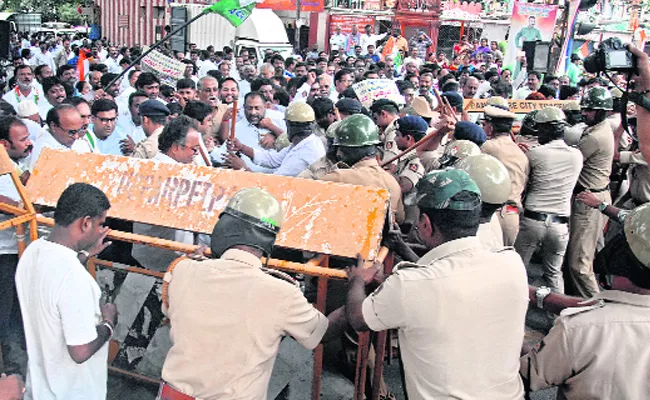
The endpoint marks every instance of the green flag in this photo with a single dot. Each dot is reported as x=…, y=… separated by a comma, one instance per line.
x=235, y=11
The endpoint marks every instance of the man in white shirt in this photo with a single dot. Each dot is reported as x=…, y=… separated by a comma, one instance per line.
x=110, y=141
x=44, y=57
x=54, y=94
x=113, y=60
x=64, y=127
x=531, y=86
x=206, y=64
x=102, y=54
x=177, y=144
x=14, y=136
x=123, y=99
x=369, y=38
x=253, y=130
x=25, y=89
x=129, y=120
x=337, y=41
x=305, y=149
x=28, y=113
x=66, y=328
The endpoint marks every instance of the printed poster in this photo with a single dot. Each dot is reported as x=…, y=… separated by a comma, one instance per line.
x=166, y=68
x=529, y=22
x=374, y=89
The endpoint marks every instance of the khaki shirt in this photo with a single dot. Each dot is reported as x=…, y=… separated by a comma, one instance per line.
x=227, y=319
x=390, y=145
x=460, y=311
x=320, y=168
x=640, y=175
x=597, y=352
x=429, y=160
x=148, y=148
x=505, y=150
x=597, y=147
x=369, y=173
x=554, y=170
x=410, y=168
x=491, y=234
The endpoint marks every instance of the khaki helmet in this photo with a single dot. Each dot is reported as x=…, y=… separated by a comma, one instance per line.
x=457, y=150
x=637, y=233
x=597, y=98
x=356, y=131
x=252, y=217
x=299, y=112
x=550, y=115
x=490, y=175
x=499, y=102
x=573, y=105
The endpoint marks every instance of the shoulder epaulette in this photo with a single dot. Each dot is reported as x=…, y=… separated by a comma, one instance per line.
x=281, y=275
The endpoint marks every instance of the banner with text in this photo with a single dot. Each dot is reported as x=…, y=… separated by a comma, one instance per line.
x=166, y=68
x=529, y=23
x=374, y=89
x=290, y=5
x=516, y=106
x=346, y=22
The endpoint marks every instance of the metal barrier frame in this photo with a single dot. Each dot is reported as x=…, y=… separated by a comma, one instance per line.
x=317, y=267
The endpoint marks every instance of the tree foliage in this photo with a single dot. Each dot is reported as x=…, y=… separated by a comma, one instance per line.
x=52, y=10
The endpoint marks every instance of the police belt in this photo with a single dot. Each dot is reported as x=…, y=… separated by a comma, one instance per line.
x=579, y=188
x=166, y=392
x=544, y=217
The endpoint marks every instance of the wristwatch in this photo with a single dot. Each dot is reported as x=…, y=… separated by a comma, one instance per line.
x=602, y=206
x=541, y=293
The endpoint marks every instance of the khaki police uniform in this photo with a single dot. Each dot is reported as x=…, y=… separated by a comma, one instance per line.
x=460, y=313
x=388, y=138
x=639, y=176
x=505, y=150
x=597, y=352
x=410, y=168
x=227, y=319
x=429, y=160
x=597, y=147
x=217, y=119
x=320, y=168
x=148, y=148
x=369, y=173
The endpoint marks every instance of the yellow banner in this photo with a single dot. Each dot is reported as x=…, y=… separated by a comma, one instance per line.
x=516, y=106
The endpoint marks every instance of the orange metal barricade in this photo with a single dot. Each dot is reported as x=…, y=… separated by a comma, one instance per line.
x=191, y=198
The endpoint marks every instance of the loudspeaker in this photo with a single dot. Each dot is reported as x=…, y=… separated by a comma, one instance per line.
x=4, y=40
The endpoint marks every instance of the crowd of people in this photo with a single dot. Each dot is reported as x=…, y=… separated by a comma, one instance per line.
x=471, y=206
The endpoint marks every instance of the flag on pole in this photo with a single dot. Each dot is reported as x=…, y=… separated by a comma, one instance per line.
x=583, y=51
x=235, y=11
x=83, y=65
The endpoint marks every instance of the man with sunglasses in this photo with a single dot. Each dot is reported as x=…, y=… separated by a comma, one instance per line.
x=64, y=125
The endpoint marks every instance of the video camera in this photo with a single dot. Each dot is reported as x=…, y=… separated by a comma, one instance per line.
x=610, y=56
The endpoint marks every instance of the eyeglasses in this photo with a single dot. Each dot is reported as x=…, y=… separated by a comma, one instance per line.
x=106, y=120
x=71, y=132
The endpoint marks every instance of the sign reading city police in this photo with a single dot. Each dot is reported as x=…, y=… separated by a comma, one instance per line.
x=321, y=217
x=516, y=106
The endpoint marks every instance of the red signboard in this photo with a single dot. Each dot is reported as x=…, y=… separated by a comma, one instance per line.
x=290, y=5
x=346, y=22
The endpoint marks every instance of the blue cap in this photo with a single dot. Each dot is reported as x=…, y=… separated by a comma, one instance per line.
x=348, y=106
x=152, y=108
x=466, y=130
x=411, y=123
x=454, y=98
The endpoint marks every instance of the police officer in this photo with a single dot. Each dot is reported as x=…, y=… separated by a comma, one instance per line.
x=408, y=131
x=601, y=351
x=457, y=150
x=356, y=143
x=497, y=125
x=228, y=316
x=440, y=303
x=597, y=148
x=554, y=170
x=492, y=178
x=575, y=127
